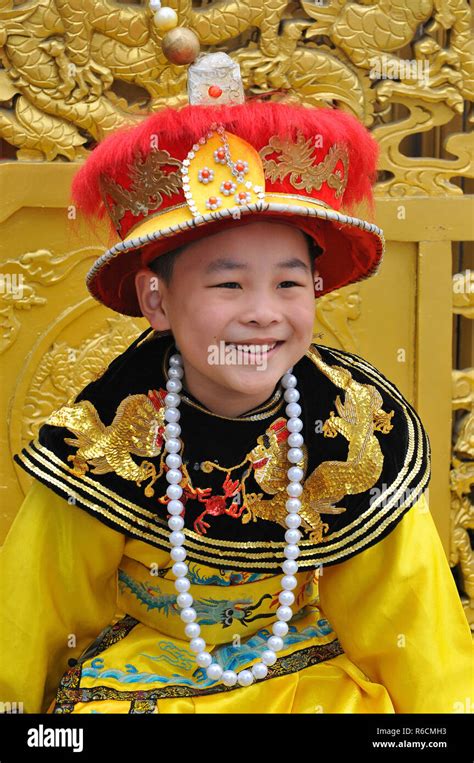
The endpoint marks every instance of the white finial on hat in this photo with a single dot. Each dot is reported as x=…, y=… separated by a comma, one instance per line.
x=214, y=79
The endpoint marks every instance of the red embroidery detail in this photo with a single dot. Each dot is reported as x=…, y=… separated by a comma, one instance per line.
x=216, y=505
x=158, y=400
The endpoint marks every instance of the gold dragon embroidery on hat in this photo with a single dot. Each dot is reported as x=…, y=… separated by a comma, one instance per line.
x=149, y=182
x=297, y=160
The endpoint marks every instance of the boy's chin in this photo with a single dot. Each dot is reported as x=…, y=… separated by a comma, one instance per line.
x=251, y=380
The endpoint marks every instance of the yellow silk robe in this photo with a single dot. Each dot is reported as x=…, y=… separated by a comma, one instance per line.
x=382, y=632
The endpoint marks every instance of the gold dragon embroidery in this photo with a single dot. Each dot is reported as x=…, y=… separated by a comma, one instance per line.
x=148, y=184
x=359, y=417
x=137, y=428
x=296, y=160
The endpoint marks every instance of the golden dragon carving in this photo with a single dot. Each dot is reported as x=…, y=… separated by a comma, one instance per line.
x=75, y=70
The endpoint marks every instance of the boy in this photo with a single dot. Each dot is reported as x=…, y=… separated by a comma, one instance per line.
x=224, y=449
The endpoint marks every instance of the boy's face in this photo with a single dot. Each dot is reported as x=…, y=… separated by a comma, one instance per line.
x=247, y=285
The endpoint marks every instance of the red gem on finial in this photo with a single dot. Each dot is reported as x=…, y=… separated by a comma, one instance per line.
x=215, y=91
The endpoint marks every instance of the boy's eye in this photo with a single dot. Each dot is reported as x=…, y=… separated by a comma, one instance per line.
x=234, y=283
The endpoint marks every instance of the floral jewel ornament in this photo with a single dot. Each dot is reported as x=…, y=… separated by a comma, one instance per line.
x=229, y=183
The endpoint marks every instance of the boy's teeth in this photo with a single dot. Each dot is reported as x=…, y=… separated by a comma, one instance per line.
x=252, y=347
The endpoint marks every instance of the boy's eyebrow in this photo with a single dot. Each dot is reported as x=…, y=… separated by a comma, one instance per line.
x=223, y=263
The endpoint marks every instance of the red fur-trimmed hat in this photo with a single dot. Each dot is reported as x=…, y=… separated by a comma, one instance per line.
x=189, y=172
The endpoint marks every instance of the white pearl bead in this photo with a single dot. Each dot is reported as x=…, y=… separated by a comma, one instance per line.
x=291, y=395
x=185, y=600
x=275, y=643
x=214, y=671
x=292, y=536
x=174, y=492
x=229, y=678
x=280, y=628
x=174, y=385
x=155, y=5
x=293, y=521
x=284, y=613
x=268, y=657
x=192, y=630
x=197, y=644
x=294, y=455
x=295, y=474
x=293, y=410
x=286, y=599
x=172, y=399
x=291, y=551
x=294, y=489
x=245, y=678
x=173, y=430
x=174, y=507
x=294, y=424
x=259, y=670
x=289, y=567
x=177, y=538
x=178, y=554
x=293, y=505
x=288, y=582
x=172, y=414
x=174, y=476
x=176, y=360
x=176, y=373
x=188, y=615
x=204, y=659
x=173, y=460
x=179, y=569
x=176, y=523
x=295, y=440
x=182, y=584
x=288, y=380
x=172, y=445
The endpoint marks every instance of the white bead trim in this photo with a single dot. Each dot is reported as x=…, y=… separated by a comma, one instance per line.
x=200, y=219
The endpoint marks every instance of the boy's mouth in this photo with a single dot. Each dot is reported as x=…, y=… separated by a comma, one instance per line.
x=264, y=348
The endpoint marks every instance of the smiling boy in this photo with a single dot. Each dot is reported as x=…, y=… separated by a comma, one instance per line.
x=243, y=286
x=231, y=538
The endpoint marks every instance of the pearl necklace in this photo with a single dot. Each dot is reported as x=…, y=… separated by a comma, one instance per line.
x=175, y=507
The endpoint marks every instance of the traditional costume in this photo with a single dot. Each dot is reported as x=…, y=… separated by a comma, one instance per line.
x=159, y=546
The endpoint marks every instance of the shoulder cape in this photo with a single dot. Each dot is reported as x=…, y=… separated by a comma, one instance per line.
x=366, y=460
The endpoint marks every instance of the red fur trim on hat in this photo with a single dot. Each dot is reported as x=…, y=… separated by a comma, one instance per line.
x=253, y=121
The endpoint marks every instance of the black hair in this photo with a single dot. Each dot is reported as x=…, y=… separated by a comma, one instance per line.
x=163, y=265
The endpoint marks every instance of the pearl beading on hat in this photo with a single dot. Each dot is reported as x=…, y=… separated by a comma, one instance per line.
x=239, y=169
x=184, y=600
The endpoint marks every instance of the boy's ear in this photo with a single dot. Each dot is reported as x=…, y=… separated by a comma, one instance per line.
x=150, y=298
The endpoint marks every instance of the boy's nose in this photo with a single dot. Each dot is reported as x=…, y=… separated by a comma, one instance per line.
x=263, y=312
